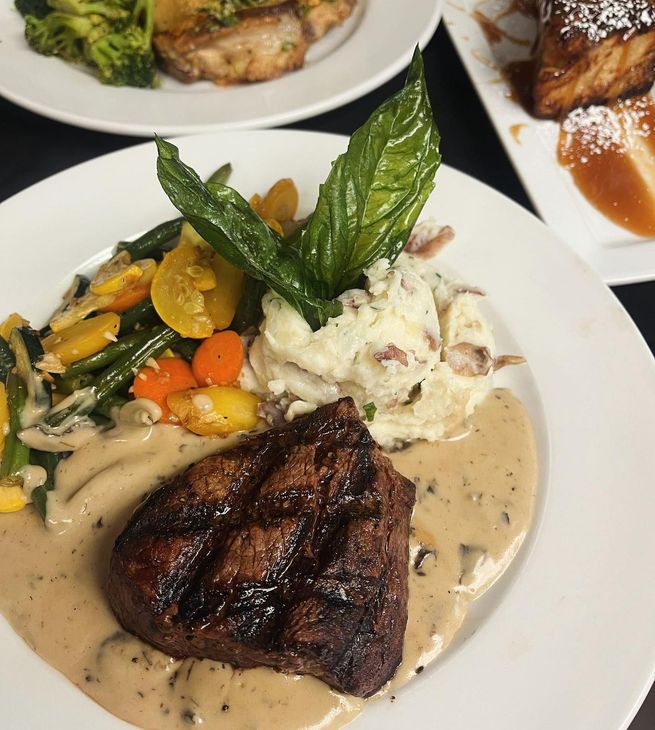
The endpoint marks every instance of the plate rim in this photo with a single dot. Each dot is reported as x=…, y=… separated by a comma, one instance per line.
x=337, y=100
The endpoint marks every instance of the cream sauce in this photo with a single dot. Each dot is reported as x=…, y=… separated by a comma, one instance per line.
x=474, y=504
x=33, y=477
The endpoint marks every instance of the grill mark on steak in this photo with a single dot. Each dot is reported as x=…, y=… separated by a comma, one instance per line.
x=290, y=550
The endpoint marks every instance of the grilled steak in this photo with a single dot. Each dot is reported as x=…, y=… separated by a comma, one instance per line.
x=263, y=43
x=592, y=52
x=290, y=550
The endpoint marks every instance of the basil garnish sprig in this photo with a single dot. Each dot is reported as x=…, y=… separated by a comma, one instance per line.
x=376, y=190
x=366, y=208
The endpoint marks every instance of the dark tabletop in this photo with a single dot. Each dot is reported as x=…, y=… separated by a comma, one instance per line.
x=33, y=147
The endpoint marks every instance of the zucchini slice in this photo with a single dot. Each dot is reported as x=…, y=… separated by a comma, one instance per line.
x=28, y=350
x=7, y=360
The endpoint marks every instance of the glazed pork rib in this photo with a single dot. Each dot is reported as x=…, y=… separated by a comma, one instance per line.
x=592, y=52
x=290, y=550
x=266, y=42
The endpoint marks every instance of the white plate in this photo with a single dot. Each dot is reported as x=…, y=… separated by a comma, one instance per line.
x=616, y=254
x=566, y=640
x=347, y=63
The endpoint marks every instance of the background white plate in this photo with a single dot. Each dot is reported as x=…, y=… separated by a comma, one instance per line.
x=617, y=255
x=567, y=638
x=370, y=48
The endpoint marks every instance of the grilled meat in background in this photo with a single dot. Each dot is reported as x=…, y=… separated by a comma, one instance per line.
x=592, y=52
x=234, y=41
x=290, y=550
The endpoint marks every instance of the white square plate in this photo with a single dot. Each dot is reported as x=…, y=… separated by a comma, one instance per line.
x=617, y=255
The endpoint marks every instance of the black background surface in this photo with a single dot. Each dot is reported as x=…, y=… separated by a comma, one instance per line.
x=32, y=148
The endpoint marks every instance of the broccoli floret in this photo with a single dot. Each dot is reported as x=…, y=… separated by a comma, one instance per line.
x=112, y=36
x=62, y=35
x=35, y=8
x=124, y=59
x=110, y=9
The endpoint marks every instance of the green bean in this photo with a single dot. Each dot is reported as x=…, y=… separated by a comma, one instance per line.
x=114, y=401
x=152, y=240
x=100, y=420
x=7, y=359
x=160, y=339
x=187, y=348
x=222, y=175
x=101, y=359
x=28, y=350
x=69, y=384
x=111, y=379
x=15, y=455
x=48, y=460
x=142, y=313
x=249, y=310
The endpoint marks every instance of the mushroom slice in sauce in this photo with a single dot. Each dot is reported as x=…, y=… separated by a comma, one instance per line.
x=422, y=554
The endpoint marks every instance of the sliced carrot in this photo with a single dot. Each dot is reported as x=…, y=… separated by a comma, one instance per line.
x=219, y=359
x=128, y=298
x=171, y=376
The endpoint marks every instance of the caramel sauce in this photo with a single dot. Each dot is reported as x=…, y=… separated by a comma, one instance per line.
x=515, y=130
x=490, y=30
x=523, y=7
x=610, y=153
x=484, y=60
x=519, y=75
x=528, y=8
x=493, y=32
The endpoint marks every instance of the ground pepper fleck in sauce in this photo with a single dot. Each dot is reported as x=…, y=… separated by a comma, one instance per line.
x=475, y=500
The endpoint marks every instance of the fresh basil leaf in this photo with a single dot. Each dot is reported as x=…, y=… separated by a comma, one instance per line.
x=376, y=190
x=226, y=221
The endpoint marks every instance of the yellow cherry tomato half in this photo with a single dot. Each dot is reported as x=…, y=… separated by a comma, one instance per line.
x=215, y=411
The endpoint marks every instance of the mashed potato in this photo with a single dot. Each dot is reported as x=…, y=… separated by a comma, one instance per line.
x=412, y=350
